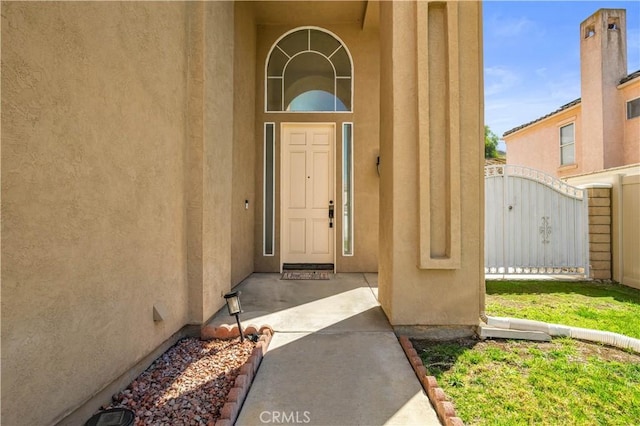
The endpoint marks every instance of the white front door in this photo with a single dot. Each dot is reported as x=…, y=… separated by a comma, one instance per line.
x=307, y=184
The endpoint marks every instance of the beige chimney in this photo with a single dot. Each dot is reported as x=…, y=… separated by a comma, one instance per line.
x=603, y=62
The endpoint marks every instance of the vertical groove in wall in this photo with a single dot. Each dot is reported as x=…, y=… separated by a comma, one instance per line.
x=439, y=141
x=439, y=188
x=455, y=141
x=424, y=182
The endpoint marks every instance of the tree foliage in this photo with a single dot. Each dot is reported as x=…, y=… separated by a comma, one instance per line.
x=490, y=143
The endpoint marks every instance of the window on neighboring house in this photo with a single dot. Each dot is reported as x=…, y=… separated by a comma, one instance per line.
x=567, y=144
x=633, y=109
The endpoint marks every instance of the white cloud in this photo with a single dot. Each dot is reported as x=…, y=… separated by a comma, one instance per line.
x=499, y=80
x=512, y=99
x=511, y=28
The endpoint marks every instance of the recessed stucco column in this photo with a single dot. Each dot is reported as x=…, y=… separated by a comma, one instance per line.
x=431, y=188
x=209, y=156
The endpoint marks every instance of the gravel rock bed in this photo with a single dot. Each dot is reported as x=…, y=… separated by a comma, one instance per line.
x=187, y=385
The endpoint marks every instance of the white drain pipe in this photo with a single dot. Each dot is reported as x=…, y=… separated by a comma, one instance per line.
x=606, y=337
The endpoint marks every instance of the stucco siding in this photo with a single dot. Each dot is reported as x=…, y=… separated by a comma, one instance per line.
x=209, y=154
x=631, y=231
x=132, y=134
x=446, y=292
x=538, y=146
x=244, y=156
x=93, y=206
x=387, y=180
x=625, y=182
x=218, y=101
x=603, y=62
x=631, y=126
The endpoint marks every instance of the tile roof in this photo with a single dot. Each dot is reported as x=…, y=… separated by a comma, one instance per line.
x=629, y=77
x=562, y=108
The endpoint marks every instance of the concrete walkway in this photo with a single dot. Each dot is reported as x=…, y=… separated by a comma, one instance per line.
x=334, y=359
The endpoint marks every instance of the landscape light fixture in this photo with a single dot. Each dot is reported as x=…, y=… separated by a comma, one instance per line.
x=233, y=305
x=112, y=417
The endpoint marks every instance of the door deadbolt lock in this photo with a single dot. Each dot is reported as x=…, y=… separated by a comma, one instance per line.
x=331, y=214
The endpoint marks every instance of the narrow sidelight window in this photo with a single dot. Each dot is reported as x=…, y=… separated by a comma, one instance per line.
x=269, y=189
x=347, y=189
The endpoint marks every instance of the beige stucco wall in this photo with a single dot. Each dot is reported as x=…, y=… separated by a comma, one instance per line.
x=209, y=154
x=218, y=134
x=117, y=130
x=631, y=231
x=93, y=231
x=448, y=289
x=363, y=45
x=624, y=213
x=628, y=92
x=538, y=146
x=124, y=175
x=244, y=159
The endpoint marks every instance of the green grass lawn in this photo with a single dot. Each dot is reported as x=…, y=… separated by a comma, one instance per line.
x=532, y=383
x=497, y=382
x=608, y=307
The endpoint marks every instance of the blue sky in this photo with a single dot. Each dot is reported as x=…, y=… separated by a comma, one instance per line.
x=532, y=56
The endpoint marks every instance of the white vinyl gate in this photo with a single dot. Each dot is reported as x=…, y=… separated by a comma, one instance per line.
x=534, y=223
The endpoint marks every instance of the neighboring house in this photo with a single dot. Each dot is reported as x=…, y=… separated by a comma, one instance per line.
x=601, y=129
x=595, y=140
x=154, y=154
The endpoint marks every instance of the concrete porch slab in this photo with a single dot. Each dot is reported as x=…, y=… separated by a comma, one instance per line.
x=334, y=358
x=349, y=378
x=346, y=302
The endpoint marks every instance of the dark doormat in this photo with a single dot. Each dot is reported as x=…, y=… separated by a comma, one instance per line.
x=306, y=275
x=307, y=266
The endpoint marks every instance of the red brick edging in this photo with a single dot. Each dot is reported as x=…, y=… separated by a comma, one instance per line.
x=238, y=393
x=444, y=408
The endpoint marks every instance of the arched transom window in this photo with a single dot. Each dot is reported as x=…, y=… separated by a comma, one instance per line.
x=309, y=69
